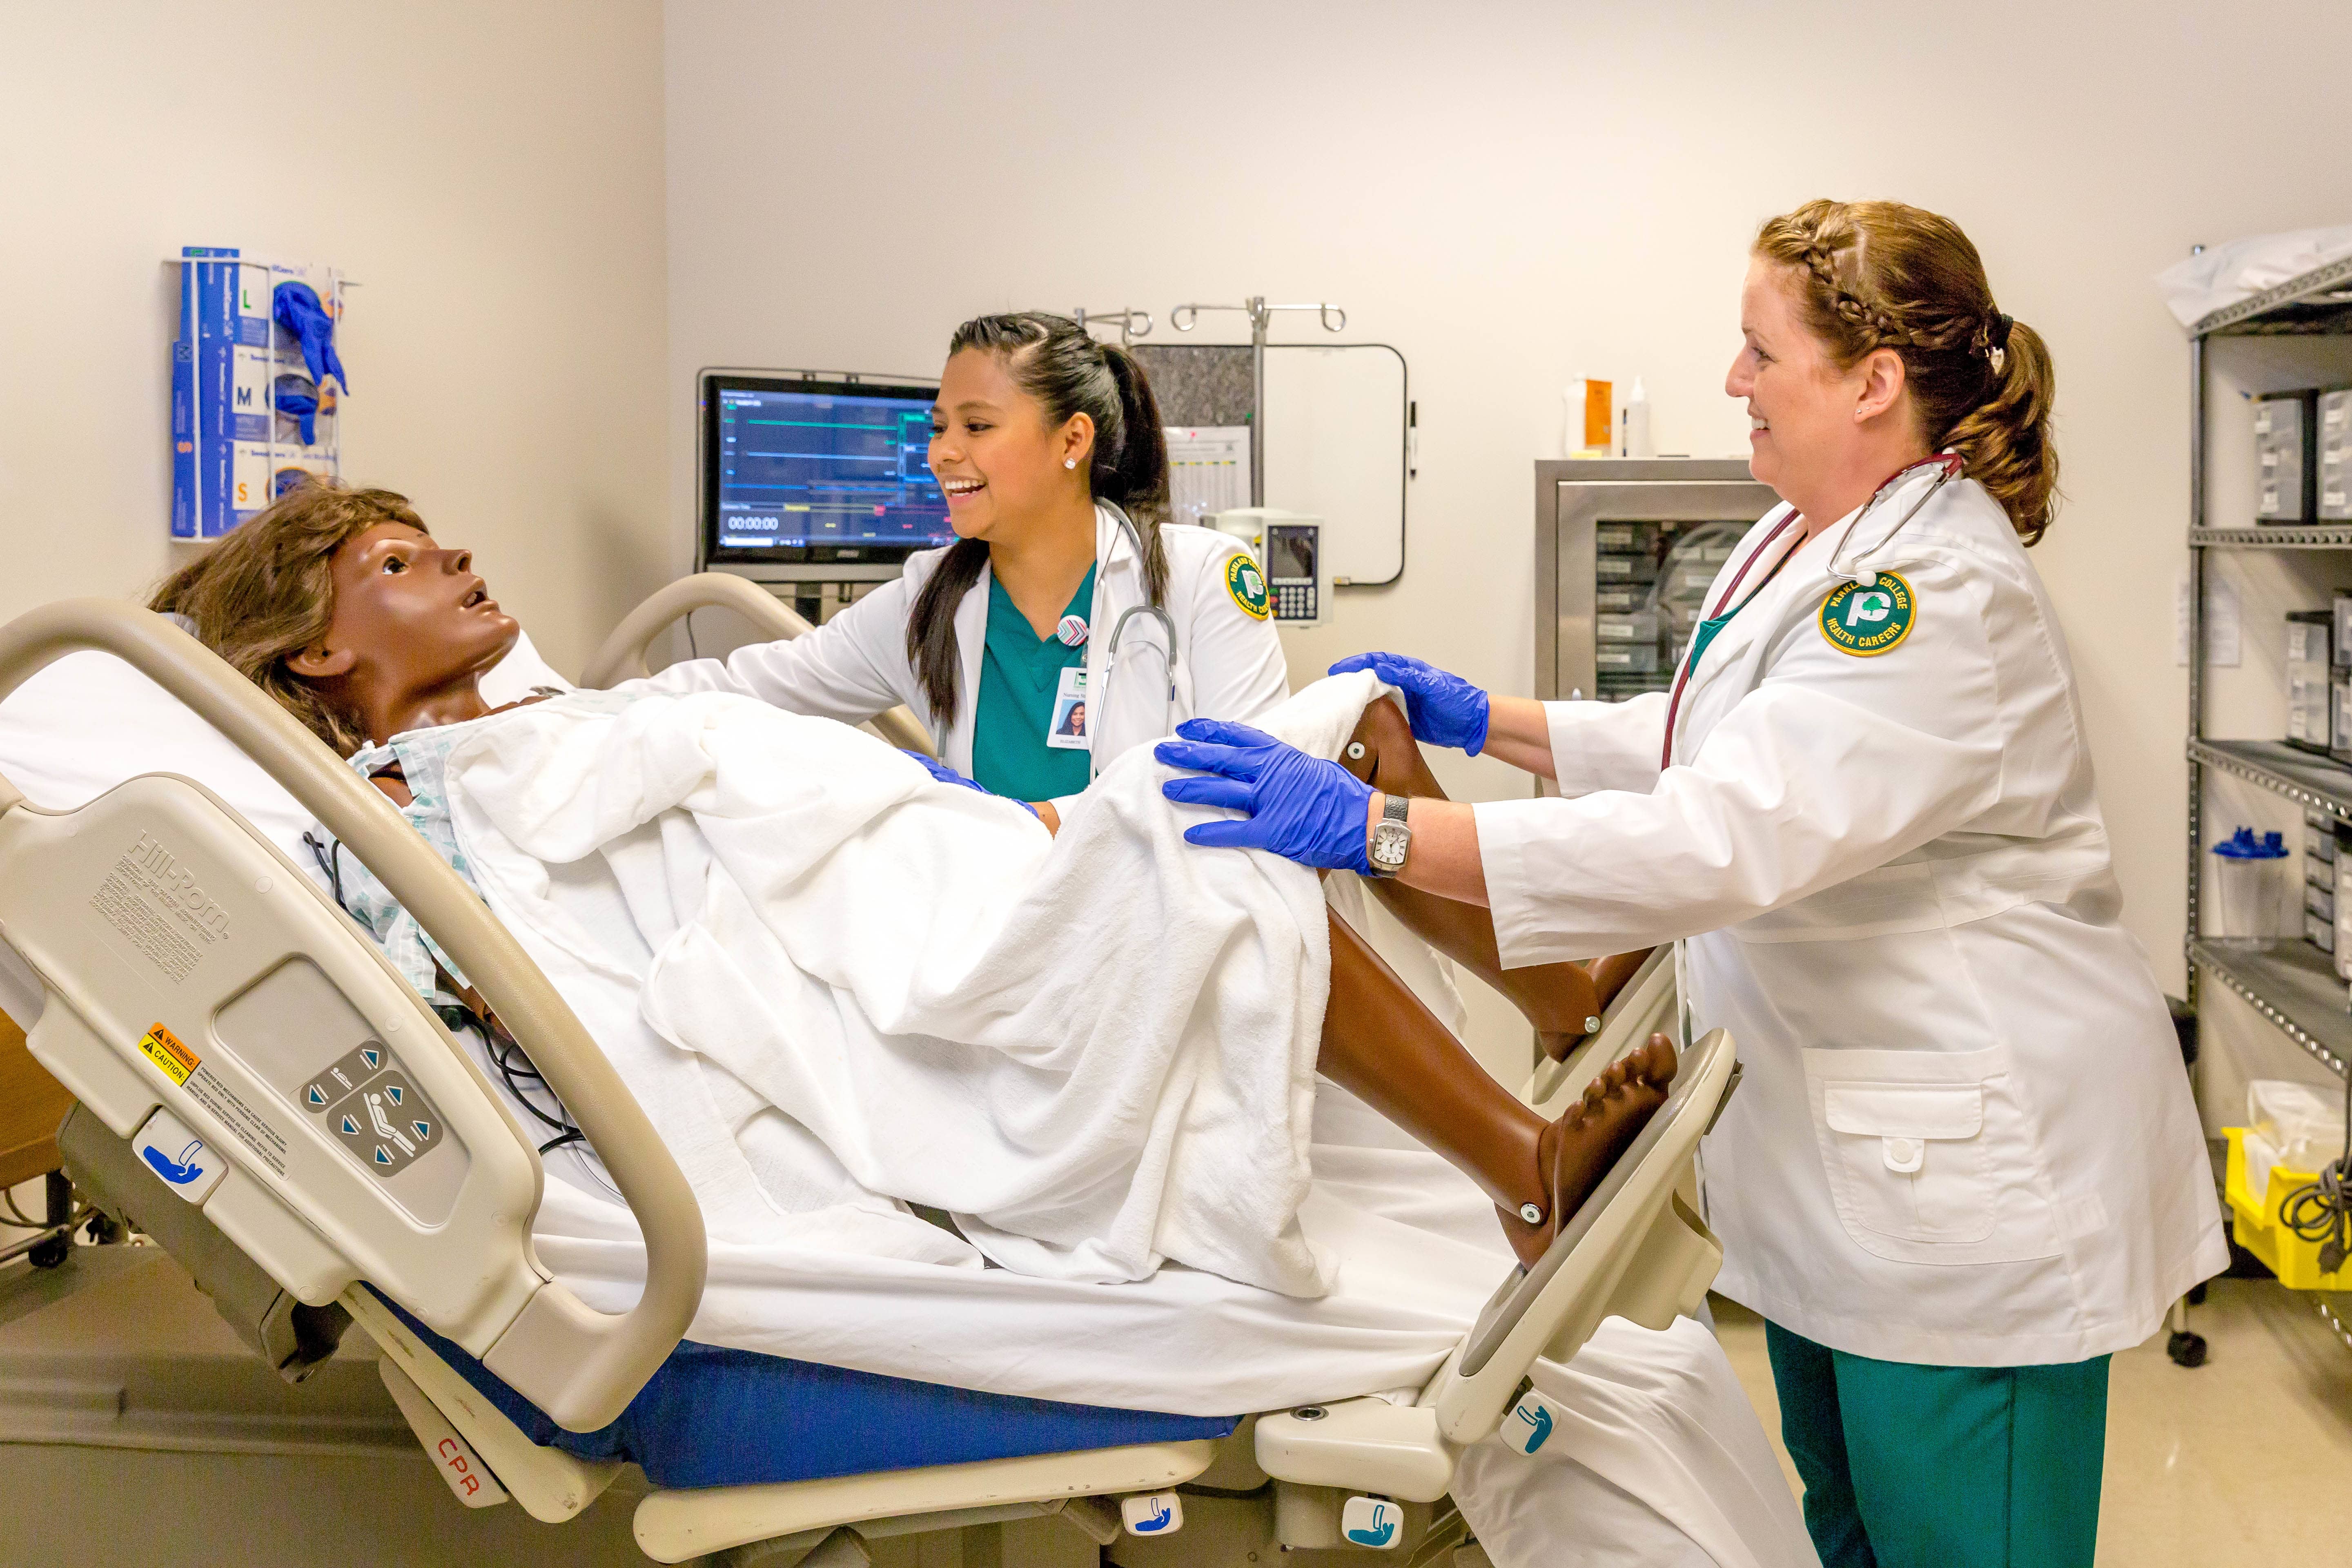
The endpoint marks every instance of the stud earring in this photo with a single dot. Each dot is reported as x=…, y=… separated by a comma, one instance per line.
x=1069, y=462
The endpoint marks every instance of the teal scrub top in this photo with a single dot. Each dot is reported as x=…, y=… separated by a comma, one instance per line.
x=1019, y=673
x=1706, y=630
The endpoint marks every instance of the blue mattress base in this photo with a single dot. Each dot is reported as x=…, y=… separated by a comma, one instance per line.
x=717, y=1417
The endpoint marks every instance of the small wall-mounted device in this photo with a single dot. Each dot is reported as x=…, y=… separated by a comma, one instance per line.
x=1288, y=546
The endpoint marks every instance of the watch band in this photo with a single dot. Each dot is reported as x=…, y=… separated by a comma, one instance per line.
x=1393, y=807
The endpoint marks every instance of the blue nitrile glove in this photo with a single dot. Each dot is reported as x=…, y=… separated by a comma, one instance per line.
x=1301, y=807
x=298, y=397
x=1445, y=710
x=946, y=774
x=296, y=308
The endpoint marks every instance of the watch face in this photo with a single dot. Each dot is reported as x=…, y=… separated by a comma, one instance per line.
x=1390, y=840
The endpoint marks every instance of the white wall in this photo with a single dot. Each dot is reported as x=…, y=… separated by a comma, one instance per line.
x=1509, y=191
x=492, y=174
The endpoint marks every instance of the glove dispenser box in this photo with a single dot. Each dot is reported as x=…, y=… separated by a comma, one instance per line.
x=2287, y=454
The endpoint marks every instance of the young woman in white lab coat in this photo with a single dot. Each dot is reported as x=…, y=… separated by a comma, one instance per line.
x=1964, y=1166
x=1049, y=449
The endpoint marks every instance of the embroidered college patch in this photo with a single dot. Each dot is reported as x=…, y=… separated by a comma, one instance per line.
x=1246, y=584
x=1868, y=621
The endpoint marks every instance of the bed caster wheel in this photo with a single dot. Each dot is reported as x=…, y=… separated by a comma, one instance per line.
x=50, y=1251
x=2186, y=1349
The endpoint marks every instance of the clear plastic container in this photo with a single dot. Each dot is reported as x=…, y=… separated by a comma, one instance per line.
x=2249, y=888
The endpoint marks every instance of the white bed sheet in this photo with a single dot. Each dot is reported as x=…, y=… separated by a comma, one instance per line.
x=1420, y=1248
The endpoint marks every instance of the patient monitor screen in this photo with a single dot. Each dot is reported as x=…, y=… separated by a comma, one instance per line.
x=800, y=469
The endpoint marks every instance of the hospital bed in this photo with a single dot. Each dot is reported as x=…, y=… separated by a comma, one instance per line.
x=259, y=1092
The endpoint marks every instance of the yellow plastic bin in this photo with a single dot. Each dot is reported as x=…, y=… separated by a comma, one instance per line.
x=2255, y=1221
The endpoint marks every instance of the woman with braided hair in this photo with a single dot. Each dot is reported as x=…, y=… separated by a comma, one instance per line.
x=1963, y=1168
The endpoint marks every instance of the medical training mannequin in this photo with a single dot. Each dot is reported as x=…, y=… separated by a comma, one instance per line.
x=1964, y=1167
x=342, y=607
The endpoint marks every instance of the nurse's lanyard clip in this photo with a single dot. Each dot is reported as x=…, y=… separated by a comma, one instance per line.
x=1950, y=463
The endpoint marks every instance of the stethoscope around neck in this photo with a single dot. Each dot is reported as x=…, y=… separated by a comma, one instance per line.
x=1118, y=631
x=1842, y=570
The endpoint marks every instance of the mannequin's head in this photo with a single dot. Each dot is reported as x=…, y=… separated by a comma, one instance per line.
x=340, y=605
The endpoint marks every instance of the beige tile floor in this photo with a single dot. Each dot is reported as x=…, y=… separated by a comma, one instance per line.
x=2246, y=1460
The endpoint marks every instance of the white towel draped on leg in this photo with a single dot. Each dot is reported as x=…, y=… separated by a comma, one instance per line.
x=1097, y=1051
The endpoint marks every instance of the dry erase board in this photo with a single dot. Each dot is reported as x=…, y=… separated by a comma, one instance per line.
x=1335, y=429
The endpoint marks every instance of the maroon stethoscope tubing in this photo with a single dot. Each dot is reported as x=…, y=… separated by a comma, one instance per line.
x=1681, y=676
x=1950, y=462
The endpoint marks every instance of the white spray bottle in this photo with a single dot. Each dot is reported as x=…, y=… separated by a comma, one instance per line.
x=1634, y=438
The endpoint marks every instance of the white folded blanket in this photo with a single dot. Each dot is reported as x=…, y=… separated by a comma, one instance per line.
x=827, y=976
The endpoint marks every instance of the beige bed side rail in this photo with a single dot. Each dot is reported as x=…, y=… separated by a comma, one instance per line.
x=579, y=1366
x=623, y=657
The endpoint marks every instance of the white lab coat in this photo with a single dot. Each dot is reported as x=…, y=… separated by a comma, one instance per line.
x=1228, y=665
x=1965, y=1136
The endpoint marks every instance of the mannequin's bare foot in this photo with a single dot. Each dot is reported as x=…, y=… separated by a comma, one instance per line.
x=1578, y=1149
x=1557, y=998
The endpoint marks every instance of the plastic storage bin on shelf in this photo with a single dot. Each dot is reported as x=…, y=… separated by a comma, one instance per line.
x=2310, y=668
x=2286, y=445
x=2254, y=1220
x=2335, y=454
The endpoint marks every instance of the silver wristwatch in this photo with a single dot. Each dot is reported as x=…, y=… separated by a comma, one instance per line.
x=1391, y=838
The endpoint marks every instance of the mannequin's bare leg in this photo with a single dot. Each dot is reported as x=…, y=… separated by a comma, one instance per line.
x=1382, y=1043
x=1563, y=1001
x=1611, y=974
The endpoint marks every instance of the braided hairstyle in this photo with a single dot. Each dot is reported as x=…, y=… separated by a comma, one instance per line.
x=1874, y=275
x=1058, y=362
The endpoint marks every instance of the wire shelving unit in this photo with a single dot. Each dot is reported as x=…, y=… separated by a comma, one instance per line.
x=2290, y=984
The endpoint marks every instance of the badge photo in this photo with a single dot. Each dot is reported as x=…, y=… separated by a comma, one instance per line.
x=1868, y=619
x=1067, y=730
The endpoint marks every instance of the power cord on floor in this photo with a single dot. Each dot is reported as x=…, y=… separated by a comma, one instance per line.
x=2321, y=1210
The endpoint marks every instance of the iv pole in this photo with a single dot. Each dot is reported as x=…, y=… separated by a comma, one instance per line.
x=1127, y=319
x=1185, y=317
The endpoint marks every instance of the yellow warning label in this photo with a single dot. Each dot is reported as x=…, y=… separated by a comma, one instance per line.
x=164, y=1049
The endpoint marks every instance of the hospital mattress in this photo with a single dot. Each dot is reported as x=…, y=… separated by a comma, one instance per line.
x=1419, y=1254
x=713, y=1416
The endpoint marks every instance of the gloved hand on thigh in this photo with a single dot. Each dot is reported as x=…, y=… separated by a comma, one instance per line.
x=1300, y=807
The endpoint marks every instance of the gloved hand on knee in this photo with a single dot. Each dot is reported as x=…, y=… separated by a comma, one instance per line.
x=1300, y=807
x=1445, y=710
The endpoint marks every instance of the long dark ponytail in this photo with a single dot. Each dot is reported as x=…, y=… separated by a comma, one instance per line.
x=1056, y=362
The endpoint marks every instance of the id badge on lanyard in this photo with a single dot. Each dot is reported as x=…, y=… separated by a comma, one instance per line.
x=1068, y=729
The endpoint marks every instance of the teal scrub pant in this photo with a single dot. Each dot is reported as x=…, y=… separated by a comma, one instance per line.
x=1943, y=1467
